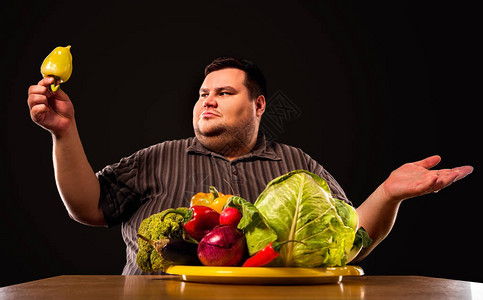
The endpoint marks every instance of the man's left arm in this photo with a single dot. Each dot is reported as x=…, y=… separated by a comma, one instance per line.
x=378, y=212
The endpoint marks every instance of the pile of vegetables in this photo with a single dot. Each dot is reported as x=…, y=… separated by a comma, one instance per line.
x=295, y=222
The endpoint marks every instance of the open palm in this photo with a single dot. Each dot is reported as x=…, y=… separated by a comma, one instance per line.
x=416, y=179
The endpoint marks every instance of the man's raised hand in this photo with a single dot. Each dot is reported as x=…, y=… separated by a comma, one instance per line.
x=416, y=179
x=51, y=110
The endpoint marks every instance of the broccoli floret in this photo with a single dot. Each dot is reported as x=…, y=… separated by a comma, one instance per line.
x=158, y=226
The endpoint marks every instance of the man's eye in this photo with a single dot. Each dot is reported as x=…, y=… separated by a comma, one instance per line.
x=203, y=95
x=224, y=93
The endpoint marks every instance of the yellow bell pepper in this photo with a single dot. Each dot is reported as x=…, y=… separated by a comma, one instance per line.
x=213, y=199
x=58, y=64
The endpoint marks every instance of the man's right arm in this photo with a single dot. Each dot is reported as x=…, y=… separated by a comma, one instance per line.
x=76, y=181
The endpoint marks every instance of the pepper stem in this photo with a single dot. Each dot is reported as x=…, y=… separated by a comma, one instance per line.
x=214, y=191
x=55, y=86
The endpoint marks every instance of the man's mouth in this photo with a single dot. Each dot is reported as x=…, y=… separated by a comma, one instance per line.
x=208, y=114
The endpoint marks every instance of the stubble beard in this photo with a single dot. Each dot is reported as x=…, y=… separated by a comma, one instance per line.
x=229, y=141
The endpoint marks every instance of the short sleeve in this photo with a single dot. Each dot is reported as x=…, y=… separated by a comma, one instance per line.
x=120, y=197
x=335, y=188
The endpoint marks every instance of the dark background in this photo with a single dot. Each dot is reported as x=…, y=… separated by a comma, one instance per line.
x=377, y=85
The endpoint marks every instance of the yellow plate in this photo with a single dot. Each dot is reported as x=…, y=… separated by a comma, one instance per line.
x=241, y=275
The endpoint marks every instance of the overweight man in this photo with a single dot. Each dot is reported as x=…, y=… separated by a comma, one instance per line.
x=226, y=151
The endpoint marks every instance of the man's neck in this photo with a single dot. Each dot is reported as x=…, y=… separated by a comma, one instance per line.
x=230, y=148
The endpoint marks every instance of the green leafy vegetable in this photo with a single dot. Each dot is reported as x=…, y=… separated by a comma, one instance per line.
x=298, y=206
x=257, y=232
x=347, y=213
x=362, y=239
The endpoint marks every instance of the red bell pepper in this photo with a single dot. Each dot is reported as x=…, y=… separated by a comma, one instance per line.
x=199, y=220
x=204, y=219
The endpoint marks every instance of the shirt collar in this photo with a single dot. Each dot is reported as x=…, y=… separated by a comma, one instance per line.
x=262, y=149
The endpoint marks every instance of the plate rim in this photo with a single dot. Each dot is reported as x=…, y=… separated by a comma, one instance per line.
x=264, y=272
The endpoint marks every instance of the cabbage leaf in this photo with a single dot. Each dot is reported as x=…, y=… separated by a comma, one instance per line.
x=257, y=232
x=298, y=206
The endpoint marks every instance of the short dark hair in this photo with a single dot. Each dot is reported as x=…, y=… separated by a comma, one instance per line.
x=254, y=79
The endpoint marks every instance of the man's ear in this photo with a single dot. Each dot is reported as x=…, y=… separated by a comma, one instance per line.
x=260, y=105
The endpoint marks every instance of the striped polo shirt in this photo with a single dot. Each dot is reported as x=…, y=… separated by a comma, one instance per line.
x=168, y=174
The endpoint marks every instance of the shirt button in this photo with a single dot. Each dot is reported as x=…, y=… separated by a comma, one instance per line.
x=235, y=173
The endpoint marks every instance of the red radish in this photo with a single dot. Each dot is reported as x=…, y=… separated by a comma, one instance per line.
x=223, y=246
x=230, y=216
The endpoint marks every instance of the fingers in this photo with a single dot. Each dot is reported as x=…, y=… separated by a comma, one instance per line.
x=463, y=172
x=38, y=103
x=39, y=89
x=429, y=183
x=38, y=112
x=36, y=99
x=38, y=94
x=41, y=93
x=447, y=176
x=429, y=162
x=60, y=95
x=43, y=88
x=46, y=81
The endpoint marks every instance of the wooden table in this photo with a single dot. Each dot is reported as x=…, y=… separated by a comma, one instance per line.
x=169, y=287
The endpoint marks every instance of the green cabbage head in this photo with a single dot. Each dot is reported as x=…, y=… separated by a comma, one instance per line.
x=299, y=207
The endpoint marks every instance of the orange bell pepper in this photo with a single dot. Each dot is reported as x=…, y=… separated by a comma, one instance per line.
x=213, y=199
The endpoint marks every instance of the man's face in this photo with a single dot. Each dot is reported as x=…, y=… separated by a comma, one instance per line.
x=224, y=105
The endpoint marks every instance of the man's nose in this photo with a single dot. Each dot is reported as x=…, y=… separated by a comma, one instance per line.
x=210, y=101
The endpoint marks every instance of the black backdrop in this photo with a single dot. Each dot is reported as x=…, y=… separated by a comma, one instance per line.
x=376, y=85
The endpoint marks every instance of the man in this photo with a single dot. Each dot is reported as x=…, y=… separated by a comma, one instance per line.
x=227, y=152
